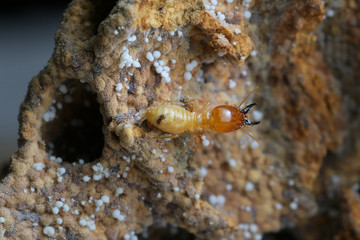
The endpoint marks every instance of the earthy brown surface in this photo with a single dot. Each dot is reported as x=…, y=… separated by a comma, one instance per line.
x=86, y=155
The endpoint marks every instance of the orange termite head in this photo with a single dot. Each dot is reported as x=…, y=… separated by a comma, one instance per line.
x=225, y=118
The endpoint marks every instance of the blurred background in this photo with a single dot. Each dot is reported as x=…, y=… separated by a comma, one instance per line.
x=26, y=44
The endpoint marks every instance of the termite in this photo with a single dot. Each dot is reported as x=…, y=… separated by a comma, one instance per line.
x=175, y=119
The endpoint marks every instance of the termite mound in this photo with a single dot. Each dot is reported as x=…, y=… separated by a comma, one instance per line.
x=101, y=177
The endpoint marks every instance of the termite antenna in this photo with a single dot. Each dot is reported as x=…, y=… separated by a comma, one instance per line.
x=250, y=135
x=247, y=97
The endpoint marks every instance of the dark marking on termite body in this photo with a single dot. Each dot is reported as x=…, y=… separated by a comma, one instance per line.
x=161, y=117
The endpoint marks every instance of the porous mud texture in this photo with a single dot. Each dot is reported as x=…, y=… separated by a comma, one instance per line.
x=90, y=167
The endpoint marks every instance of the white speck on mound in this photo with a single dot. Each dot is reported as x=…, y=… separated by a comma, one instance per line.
x=59, y=221
x=249, y=186
x=59, y=204
x=2, y=219
x=254, y=144
x=132, y=38
x=149, y=56
x=66, y=208
x=293, y=205
x=105, y=199
x=63, y=89
x=158, y=195
x=187, y=76
x=232, y=162
x=119, y=191
x=229, y=1
x=170, y=169
x=257, y=115
x=214, y=2
x=197, y=196
x=38, y=166
x=176, y=189
x=247, y=14
x=136, y=64
x=253, y=53
x=229, y=187
x=49, y=231
x=237, y=30
x=86, y=178
x=156, y=54
x=55, y=210
x=203, y=171
x=232, y=84
x=278, y=206
x=330, y=13
x=116, y=32
x=159, y=38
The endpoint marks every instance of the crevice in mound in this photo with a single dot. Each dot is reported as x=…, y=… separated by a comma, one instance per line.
x=284, y=234
x=164, y=231
x=72, y=127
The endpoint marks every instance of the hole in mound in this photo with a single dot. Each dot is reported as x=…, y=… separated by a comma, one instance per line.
x=165, y=232
x=4, y=168
x=72, y=127
x=284, y=234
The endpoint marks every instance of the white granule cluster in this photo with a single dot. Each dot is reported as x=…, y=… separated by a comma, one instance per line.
x=249, y=186
x=59, y=173
x=130, y=236
x=217, y=200
x=119, y=87
x=220, y=16
x=38, y=166
x=117, y=215
x=88, y=223
x=100, y=171
x=149, y=56
x=49, y=231
x=189, y=67
x=126, y=59
x=55, y=159
x=50, y=115
x=205, y=141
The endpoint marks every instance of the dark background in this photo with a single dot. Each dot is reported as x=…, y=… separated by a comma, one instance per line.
x=26, y=44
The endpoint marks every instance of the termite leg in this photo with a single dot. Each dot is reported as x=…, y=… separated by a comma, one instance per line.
x=163, y=136
x=187, y=146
